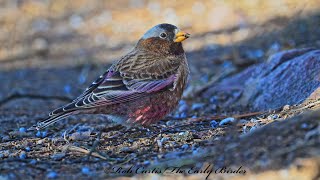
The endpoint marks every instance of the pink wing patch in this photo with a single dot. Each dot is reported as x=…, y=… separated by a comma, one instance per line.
x=150, y=86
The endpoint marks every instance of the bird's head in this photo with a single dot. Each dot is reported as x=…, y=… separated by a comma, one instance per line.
x=164, y=38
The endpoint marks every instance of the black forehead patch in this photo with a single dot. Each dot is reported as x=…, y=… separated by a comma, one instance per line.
x=167, y=27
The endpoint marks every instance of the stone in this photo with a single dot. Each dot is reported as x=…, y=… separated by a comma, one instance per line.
x=286, y=78
x=58, y=156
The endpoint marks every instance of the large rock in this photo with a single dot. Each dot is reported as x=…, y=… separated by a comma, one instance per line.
x=289, y=77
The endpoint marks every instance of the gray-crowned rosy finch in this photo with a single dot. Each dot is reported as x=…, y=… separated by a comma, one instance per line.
x=140, y=88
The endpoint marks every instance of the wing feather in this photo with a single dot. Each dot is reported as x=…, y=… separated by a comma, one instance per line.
x=125, y=82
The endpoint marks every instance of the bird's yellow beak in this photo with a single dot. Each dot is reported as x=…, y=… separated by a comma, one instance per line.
x=181, y=36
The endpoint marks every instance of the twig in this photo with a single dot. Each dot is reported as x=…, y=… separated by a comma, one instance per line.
x=66, y=132
x=94, y=145
x=85, y=151
x=34, y=96
x=192, y=120
x=308, y=106
x=127, y=159
x=65, y=137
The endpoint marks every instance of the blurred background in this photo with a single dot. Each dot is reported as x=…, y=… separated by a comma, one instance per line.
x=69, y=31
x=90, y=34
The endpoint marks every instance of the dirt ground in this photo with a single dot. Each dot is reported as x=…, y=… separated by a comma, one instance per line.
x=50, y=52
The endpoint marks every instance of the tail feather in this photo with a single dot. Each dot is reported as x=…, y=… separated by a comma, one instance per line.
x=49, y=121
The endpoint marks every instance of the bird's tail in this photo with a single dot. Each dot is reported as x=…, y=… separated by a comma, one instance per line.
x=49, y=121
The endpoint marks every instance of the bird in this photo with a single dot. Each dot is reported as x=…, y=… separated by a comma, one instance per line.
x=141, y=87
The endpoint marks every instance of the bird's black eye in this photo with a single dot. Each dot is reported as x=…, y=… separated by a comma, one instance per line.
x=163, y=35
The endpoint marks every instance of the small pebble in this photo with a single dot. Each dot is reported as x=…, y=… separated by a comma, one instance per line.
x=5, y=138
x=214, y=124
x=226, y=121
x=28, y=149
x=270, y=118
x=85, y=170
x=170, y=123
x=159, y=143
x=196, y=151
x=67, y=89
x=164, y=139
x=197, y=106
x=183, y=108
x=304, y=126
x=173, y=144
x=227, y=65
x=23, y=155
x=80, y=135
x=22, y=130
x=286, y=108
x=126, y=149
x=242, y=121
x=183, y=136
x=44, y=134
x=161, y=156
x=40, y=45
x=4, y=153
x=52, y=175
x=237, y=94
x=253, y=120
x=58, y=156
x=181, y=102
x=82, y=78
x=185, y=146
x=275, y=47
x=40, y=141
x=146, y=163
x=255, y=54
x=213, y=100
x=244, y=129
x=38, y=134
x=33, y=161
x=183, y=115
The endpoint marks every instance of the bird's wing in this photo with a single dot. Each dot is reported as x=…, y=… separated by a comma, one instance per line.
x=120, y=84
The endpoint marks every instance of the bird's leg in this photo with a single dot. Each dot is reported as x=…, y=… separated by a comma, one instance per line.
x=95, y=144
x=160, y=133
